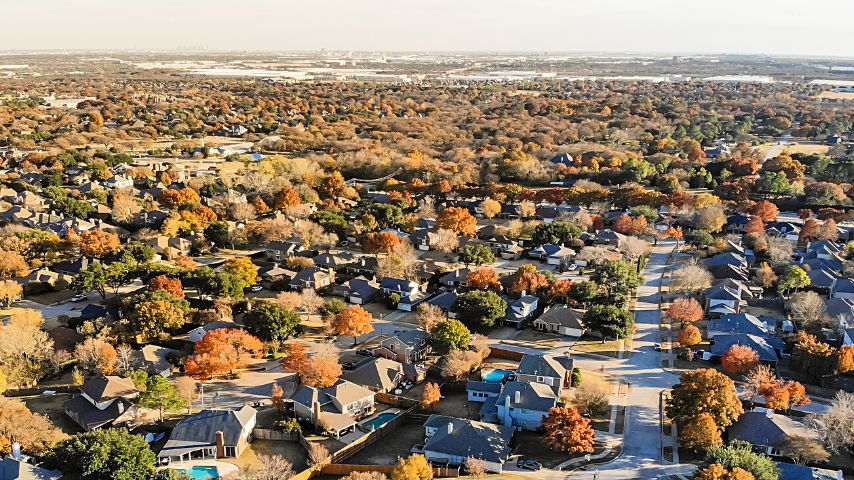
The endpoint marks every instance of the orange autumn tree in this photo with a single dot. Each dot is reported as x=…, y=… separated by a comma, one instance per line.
x=224, y=350
x=287, y=198
x=321, y=372
x=382, y=242
x=567, y=431
x=559, y=290
x=483, y=278
x=782, y=395
x=765, y=210
x=168, y=284
x=295, y=358
x=739, y=359
x=754, y=225
x=527, y=279
x=98, y=243
x=685, y=310
x=845, y=359
x=689, y=336
x=716, y=471
x=352, y=321
x=700, y=433
x=457, y=219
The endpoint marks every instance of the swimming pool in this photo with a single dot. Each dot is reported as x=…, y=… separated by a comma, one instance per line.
x=378, y=421
x=496, y=375
x=199, y=472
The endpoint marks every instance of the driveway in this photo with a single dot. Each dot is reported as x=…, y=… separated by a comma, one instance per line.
x=252, y=386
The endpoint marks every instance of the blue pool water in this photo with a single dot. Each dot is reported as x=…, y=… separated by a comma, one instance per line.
x=378, y=421
x=200, y=473
x=496, y=375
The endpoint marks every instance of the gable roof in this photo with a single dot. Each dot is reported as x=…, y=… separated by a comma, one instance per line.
x=199, y=430
x=792, y=471
x=544, y=365
x=738, y=323
x=343, y=391
x=562, y=315
x=468, y=438
x=381, y=373
x=12, y=469
x=108, y=387
x=767, y=429
x=760, y=345
x=532, y=396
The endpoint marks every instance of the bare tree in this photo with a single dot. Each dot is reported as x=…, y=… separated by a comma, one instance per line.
x=400, y=262
x=835, y=424
x=445, y=240
x=804, y=450
x=809, y=309
x=242, y=212
x=593, y=255
x=476, y=467
x=429, y=315
x=187, y=387
x=310, y=301
x=271, y=467
x=527, y=209
x=317, y=453
x=690, y=278
x=633, y=248
x=760, y=375
x=124, y=357
x=289, y=300
x=779, y=251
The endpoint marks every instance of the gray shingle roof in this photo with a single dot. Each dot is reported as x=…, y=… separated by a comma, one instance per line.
x=199, y=431
x=532, y=396
x=544, y=365
x=468, y=438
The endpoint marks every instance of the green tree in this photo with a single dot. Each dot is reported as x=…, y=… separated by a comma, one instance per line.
x=135, y=252
x=616, y=280
x=386, y=215
x=111, y=453
x=450, y=335
x=479, y=307
x=271, y=322
x=477, y=254
x=556, y=232
x=793, y=277
x=610, y=321
x=741, y=455
x=162, y=395
x=584, y=293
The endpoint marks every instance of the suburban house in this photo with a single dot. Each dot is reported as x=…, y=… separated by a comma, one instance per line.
x=793, y=471
x=357, y=290
x=561, y=319
x=337, y=408
x=521, y=404
x=379, y=374
x=520, y=309
x=312, y=277
x=482, y=392
x=335, y=261
x=610, y=238
x=169, y=247
x=410, y=302
x=455, y=278
x=737, y=323
x=409, y=346
x=843, y=288
x=103, y=401
x=451, y=440
x=404, y=288
x=278, y=251
x=210, y=434
x=552, y=370
x=199, y=333
x=768, y=348
x=727, y=296
x=445, y=300
x=154, y=359
x=768, y=431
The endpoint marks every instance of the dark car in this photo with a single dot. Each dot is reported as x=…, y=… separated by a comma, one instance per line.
x=529, y=464
x=348, y=366
x=365, y=352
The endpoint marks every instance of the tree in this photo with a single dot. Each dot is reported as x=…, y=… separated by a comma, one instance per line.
x=243, y=269
x=171, y=285
x=270, y=467
x=567, y=431
x=584, y=293
x=152, y=317
x=809, y=230
x=754, y=225
x=399, y=263
x=739, y=455
x=690, y=278
x=685, y=310
x=712, y=219
x=700, y=433
x=450, y=335
x=162, y=395
x=477, y=254
x=287, y=198
x=483, y=278
x=739, y=359
x=609, y=321
x=289, y=300
x=793, y=277
x=352, y=321
x=828, y=230
x=112, y=453
x=187, y=388
x=809, y=310
x=222, y=350
x=10, y=291
x=380, y=242
x=845, y=359
x=478, y=307
x=429, y=315
x=804, y=450
x=446, y=240
x=765, y=210
x=458, y=363
x=616, y=280
x=689, y=336
x=277, y=398
x=413, y=467
x=431, y=395
x=757, y=378
x=779, y=251
x=476, y=467
x=716, y=471
x=365, y=476
x=558, y=233
x=835, y=423
x=310, y=301
x=321, y=372
x=812, y=355
x=704, y=390
x=12, y=264
x=490, y=207
x=317, y=453
x=765, y=276
x=271, y=322
x=633, y=248
x=96, y=355
x=35, y=433
x=98, y=243
x=457, y=219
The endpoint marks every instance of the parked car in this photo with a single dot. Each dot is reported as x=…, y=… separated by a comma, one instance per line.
x=572, y=267
x=365, y=352
x=657, y=347
x=529, y=464
x=78, y=298
x=348, y=366
x=256, y=288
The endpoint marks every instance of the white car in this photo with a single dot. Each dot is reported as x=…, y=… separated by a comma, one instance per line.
x=256, y=288
x=572, y=267
x=78, y=298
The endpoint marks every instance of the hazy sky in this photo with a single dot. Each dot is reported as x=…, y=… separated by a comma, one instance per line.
x=822, y=27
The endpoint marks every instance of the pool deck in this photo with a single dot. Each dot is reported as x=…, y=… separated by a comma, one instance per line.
x=225, y=470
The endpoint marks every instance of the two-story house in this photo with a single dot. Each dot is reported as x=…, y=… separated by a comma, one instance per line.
x=523, y=405
x=336, y=408
x=552, y=370
x=312, y=277
x=409, y=346
x=520, y=309
x=103, y=401
x=402, y=287
x=278, y=251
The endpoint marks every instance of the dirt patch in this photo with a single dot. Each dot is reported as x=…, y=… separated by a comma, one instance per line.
x=387, y=451
x=291, y=451
x=53, y=407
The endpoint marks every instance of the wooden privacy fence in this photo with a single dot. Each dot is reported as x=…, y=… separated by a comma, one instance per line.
x=395, y=400
x=346, y=469
x=505, y=354
x=273, y=434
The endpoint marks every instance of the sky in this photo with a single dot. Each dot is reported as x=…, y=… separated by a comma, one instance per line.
x=776, y=27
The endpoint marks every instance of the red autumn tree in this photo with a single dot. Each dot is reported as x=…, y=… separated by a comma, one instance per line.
x=567, y=431
x=352, y=321
x=689, y=336
x=458, y=220
x=845, y=359
x=739, y=359
x=287, y=198
x=809, y=230
x=528, y=282
x=559, y=290
x=483, y=278
x=765, y=210
x=168, y=284
x=754, y=225
x=685, y=310
x=380, y=242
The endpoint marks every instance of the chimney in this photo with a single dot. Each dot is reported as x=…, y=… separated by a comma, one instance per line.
x=315, y=413
x=450, y=428
x=517, y=397
x=523, y=293
x=220, y=445
x=16, y=451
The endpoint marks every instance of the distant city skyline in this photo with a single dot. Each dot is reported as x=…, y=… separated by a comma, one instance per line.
x=782, y=27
